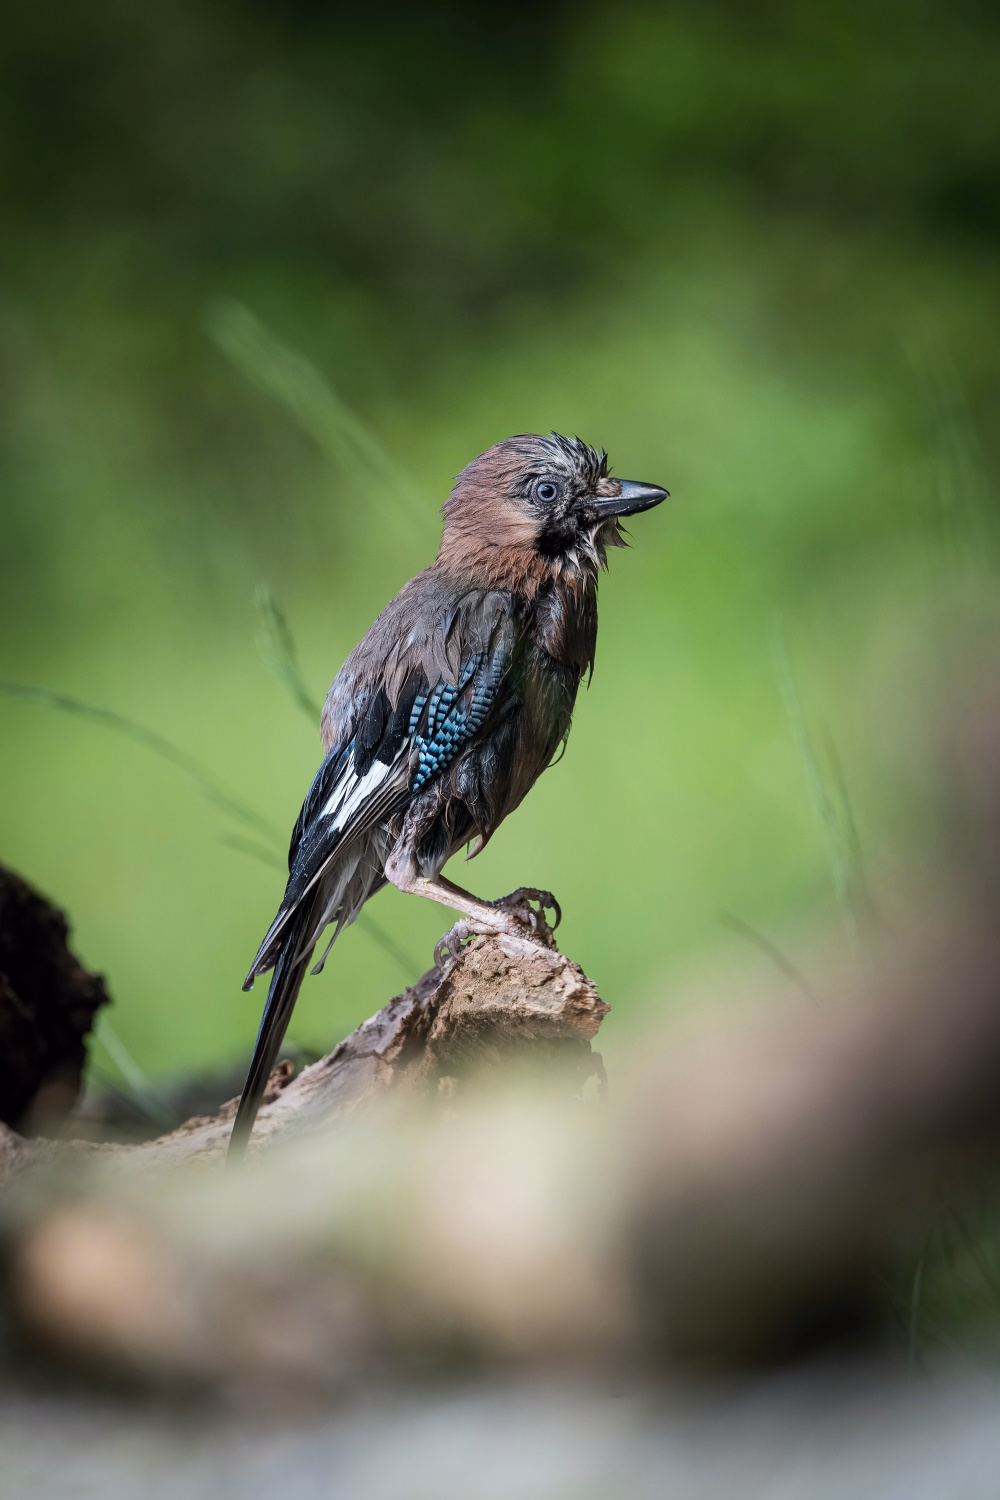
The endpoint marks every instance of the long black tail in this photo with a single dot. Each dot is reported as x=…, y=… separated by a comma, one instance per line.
x=285, y=981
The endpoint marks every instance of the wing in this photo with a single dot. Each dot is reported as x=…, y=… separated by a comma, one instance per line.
x=455, y=676
x=359, y=784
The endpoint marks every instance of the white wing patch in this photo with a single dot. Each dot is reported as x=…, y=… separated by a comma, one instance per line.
x=345, y=802
x=352, y=791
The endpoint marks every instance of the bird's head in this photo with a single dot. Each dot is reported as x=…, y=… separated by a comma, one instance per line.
x=536, y=506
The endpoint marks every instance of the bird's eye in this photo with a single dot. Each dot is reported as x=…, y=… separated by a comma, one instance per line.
x=546, y=490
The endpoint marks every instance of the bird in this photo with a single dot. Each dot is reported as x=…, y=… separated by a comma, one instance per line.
x=445, y=714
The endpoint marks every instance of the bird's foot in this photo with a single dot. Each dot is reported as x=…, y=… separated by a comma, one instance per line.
x=527, y=907
x=515, y=915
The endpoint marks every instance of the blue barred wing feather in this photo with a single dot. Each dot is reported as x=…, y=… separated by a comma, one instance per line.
x=450, y=721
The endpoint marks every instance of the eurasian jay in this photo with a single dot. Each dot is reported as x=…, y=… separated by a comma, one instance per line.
x=448, y=711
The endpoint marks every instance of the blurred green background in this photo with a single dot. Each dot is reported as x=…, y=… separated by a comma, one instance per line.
x=273, y=272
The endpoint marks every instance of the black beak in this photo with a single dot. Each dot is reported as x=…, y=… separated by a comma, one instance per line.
x=633, y=498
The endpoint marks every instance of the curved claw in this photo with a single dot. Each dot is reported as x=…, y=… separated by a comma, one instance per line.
x=442, y=947
x=451, y=943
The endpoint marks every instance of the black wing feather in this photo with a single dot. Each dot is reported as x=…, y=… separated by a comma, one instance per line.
x=371, y=731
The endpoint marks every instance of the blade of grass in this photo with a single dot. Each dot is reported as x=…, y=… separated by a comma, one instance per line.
x=913, y=1327
x=961, y=1315
x=378, y=934
x=958, y=464
x=860, y=890
x=977, y=1251
x=770, y=950
x=279, y=653
x=198, y=777
x=262, y=852
x=139, y=1087
x=838, y=858
x=291, y=378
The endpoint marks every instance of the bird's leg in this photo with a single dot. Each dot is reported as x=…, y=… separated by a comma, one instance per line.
x=529, y=921
x=511, y=915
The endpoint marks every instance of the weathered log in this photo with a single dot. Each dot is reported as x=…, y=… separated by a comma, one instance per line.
x=505, y=1000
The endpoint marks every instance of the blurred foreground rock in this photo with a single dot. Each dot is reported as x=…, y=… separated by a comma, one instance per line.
x=829, y=1434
